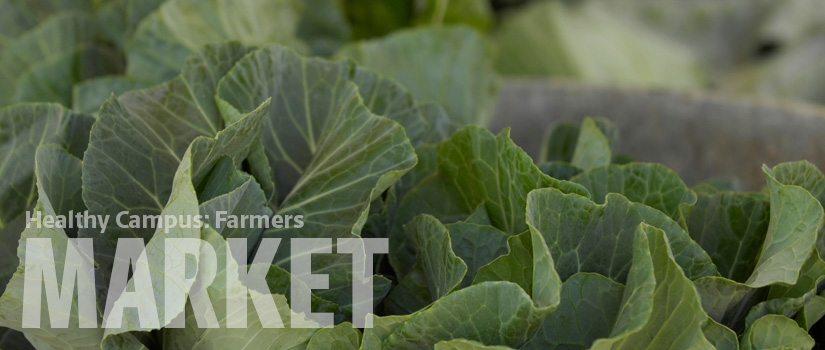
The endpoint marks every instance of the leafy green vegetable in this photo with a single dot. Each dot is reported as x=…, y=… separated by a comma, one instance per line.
x=208, y=106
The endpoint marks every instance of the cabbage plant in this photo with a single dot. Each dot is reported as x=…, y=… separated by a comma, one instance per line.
x=488, y=248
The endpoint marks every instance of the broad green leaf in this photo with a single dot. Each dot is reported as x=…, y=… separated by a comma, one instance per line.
x=527, y=264
x=493, y=313
x=592, y=147
x=342, y=337
x=651, y=184
x=802, y=174
x=774, y=331
x=461, y=344
x=203, y=154
x=446, y=65
x=331, y=155
x=795, y=220
x=586, y=237
x=600, y=307
x=165, y=38
x=676, y=318
x=807, y=176
x=569, y=40
x=589, y=306
x=154, y=128
x=437, y=271
x=731, y=227
x=475, y=168
x=23, y=128
x=89, y=95
x=307, y=103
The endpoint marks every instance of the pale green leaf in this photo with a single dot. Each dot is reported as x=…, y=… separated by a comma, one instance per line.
x=807, y=176
x=165, y=38
x=493, y=313
x=449, y=66
x=570, y=40
x=774, y=331
x=796, y=217
x=592, y=147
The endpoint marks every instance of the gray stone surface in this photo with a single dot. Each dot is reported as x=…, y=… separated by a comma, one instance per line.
x=701, y=136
